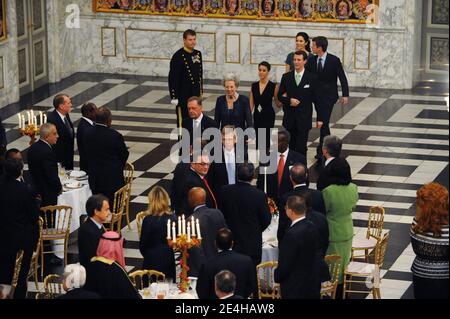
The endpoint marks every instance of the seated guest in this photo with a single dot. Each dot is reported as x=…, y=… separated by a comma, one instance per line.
x=19, y=226
x=43, y=166
x=106, y=274
x=86, y=123
x=197, y=121
x=211, y=220
x=331, y=149
x=107, y=155
x=296, y=272
x=153, y=242
x=74, y=278
x=279, y=182
x=246, y=212
x=89, y=233
x=225, y=284
x=241, y=265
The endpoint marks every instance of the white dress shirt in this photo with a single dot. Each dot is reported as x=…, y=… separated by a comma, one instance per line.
x=197, y=122
x=88, y=120
x=301, y=74
x=324, y=58
x=96, y=223
x=328, y=161
x=230, y=159
x=61, y=116
x=297, y=220
x=286, y=153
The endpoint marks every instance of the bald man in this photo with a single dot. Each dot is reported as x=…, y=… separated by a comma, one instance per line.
x=211, y=220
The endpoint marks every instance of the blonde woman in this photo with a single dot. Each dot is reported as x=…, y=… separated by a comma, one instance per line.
x=153, y=244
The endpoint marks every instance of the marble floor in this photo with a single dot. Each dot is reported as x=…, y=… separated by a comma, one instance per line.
x=394, y=140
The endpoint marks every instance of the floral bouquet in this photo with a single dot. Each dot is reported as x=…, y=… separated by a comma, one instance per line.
x=272, y=206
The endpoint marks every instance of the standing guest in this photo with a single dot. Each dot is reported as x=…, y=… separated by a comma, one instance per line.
x=61, y=119
x=87, y=122
x=185, y=75
x=89, y=233
x=74, y=278
x=296, y=272
x=197, y=122
x=153, y=242
x=43, y=166
x=298, y=90
x=331, y=149
x=241, y=265
x=328, y=69
x=211, y=221
x=429, y=240
x=301, y=44
x=279, y=183
x=262, y=94
x=107, y=155
x=225, y=285
x=106, y=274
x=246, y=212
x=233, y=108
x=340, y=199
x=19, y=228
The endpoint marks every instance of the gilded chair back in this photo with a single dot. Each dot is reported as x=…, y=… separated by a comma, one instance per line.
x=143, y=278
x=15, y=279
x=334, y=267
x=120, y=200
x=380, y=250
x=375, y=222
x=267, y=288
x=139, y=219
x=35, y=258
x=56, y=220
x=129, y=174
x=53, y=286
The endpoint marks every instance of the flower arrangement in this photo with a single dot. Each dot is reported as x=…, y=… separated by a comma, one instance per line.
x=272, y=206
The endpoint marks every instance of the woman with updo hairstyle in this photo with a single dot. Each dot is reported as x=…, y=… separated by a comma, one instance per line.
x=429, y=240
x=302, y=43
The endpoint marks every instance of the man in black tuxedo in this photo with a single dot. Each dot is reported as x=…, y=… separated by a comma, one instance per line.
x=107, y=155
x=43, y=166
x=197, y=122
x=241, y=265
x=279, y=183
x=211, y=221
x=299, y=180
x=61, y=119
x=332, y=146
x=19, y=228
x=296, y=272
x=86, y=123
x=246, y=212
x=298, y=90
x=89, y=233
x=225, y=285
x=328, y=69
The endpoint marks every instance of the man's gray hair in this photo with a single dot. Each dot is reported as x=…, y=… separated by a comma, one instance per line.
x=225, y=281
x=46, y=129
x=74, y=276
x=231, y=77
x=333, y=144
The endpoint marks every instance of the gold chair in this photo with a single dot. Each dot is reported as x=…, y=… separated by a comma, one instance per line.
x=373, y=235
x=53, y=286
x=137, y=277
x=139, y=219
x=267, y=288
x=34, y=265
x=120, y=201
x=369, y=272
x=57, y=221
x=129, y=174
x=328, y=288
x=15, y=279
x=41, y=295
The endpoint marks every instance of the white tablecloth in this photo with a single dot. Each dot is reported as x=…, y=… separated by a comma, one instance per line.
x=270, y=242
x=173, y=293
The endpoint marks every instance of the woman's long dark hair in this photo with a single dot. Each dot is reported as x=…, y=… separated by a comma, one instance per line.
x=305, y=37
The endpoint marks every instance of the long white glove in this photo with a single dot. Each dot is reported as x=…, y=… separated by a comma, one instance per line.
x=174, y=102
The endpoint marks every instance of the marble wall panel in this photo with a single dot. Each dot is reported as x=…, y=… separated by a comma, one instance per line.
x=361, y=56
x=108, y=41
x=232, y=48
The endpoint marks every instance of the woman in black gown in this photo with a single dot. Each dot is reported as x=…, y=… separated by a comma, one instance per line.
x=262, y=94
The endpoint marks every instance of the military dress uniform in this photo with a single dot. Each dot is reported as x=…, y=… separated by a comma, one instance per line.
x=185, y=79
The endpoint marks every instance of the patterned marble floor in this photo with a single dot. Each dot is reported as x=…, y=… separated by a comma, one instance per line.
x=395, y=141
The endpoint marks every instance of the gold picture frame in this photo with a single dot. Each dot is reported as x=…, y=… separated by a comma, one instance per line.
x=330, y=11
x=3, y=29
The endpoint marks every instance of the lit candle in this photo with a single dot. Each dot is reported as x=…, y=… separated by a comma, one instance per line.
x=40, y=118
x=174, y=233
x=188, y=233
x=32, y=117
x=265, y=179
x=45, y=118
x=20, y=120
x=193, y=226
x=168, y=229
x=183, y=225
x=35, y=121
x=29, y=117
x=179, y=225
x=199, y=235
x=23, y=121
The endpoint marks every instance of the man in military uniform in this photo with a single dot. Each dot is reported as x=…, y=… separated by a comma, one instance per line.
x=185, y=75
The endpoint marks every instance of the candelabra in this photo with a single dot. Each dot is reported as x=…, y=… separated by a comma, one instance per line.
x=30, y=130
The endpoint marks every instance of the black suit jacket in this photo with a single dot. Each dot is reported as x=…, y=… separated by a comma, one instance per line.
x=64, y=146
x=247, y=215
x=273, y=190
x=316, y=203
x=240, y=265
x=305, y=92
x=44, y=172
x=107, y=156
x=325, y=178
x=327, y=80
x=297, y=272
x=88, y=238
x=211, y=220
x=205, y=123
x=83, y=127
